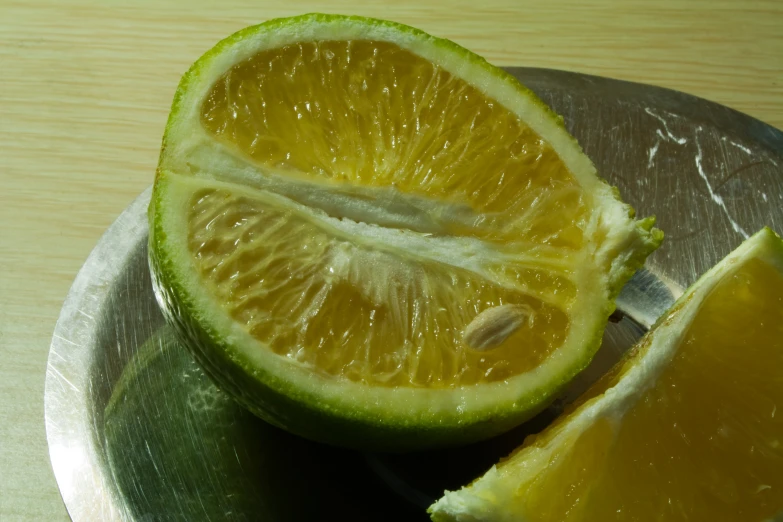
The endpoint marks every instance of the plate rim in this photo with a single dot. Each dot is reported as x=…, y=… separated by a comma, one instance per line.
x=73, y=445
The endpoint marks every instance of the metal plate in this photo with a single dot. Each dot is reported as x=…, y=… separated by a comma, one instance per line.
x=170, y=446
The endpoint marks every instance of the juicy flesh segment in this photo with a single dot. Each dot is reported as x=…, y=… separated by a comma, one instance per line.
x=370, y=114
x=705, y=442
x=368, y=123
x=368, y=313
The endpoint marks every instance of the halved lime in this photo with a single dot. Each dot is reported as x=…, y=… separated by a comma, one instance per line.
x=373, y=238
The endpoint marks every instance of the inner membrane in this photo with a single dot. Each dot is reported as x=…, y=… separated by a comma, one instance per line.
x=364, y=119
x=706, y=442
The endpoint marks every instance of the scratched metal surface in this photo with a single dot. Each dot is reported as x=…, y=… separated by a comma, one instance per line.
x=137, y=432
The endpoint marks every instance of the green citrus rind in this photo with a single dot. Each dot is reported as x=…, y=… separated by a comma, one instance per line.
x=397, y=419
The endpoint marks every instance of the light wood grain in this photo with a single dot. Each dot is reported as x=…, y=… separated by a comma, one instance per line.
x=85, y=89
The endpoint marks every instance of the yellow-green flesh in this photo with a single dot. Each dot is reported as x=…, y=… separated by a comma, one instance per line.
x=704, y=442
x=370, y=123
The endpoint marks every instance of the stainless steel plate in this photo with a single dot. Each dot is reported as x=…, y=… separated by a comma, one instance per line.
x=137, y=432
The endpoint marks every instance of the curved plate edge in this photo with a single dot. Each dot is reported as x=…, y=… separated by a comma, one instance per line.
x=74, y=448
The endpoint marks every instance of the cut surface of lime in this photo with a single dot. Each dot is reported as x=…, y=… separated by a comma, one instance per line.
x=685, y=428
x=371, y=236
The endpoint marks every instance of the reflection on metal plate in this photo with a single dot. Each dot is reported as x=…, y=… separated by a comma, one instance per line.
x=136, y=432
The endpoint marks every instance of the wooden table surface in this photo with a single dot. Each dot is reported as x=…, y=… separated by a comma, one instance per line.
x=85, y=88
